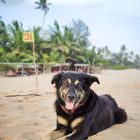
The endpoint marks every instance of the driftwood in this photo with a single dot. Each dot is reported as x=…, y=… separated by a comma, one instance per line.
x=17, y=95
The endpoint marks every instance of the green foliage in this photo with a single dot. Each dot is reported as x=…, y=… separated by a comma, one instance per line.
x=118, y=67
x=80, y=32
x=44, y=6
x=6, y=67
x=59, y=45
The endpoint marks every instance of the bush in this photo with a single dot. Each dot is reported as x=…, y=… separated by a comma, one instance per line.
x=118, y=67
x=6, y=67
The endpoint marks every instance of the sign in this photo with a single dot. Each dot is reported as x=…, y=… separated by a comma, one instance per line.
x=28, y=36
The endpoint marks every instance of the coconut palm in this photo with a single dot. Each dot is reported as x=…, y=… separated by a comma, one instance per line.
x=137, y=61
x=3, y=1
x=63, y=42
x=56, y=39
x=3, y=33
x=16, y=31
x=44, y=6
x=19, y=51
x=81, y=32
x=4, y=39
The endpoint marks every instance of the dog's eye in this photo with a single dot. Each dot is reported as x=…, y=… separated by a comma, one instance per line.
x=79, y=86
x=66, y=84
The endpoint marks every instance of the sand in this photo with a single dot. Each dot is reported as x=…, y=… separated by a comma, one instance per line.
x=27, y=112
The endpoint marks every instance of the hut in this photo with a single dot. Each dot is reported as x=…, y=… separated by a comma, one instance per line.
x=60, y=67
x=82, y=68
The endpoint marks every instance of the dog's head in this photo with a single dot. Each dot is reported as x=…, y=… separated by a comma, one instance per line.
x=73, y=88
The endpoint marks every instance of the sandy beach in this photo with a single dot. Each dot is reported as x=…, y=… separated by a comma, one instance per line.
x=27, y=112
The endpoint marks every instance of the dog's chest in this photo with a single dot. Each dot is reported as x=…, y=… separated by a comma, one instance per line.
x=70, y=122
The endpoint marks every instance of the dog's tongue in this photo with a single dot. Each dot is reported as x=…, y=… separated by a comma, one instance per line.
x=69, y=105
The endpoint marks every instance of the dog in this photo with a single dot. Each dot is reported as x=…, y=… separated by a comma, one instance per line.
x=80, y=111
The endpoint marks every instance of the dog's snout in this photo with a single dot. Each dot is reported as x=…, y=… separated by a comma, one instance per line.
x=71, y=96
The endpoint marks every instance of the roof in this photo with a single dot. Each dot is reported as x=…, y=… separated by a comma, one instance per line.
x=84, y=65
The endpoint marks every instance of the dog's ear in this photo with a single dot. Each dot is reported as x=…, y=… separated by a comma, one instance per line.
x=91, y=79
x=56, y=79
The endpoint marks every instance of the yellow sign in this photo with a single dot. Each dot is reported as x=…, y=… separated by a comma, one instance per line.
x=28, y=36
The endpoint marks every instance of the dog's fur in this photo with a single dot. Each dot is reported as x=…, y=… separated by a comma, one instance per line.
x=81, y=112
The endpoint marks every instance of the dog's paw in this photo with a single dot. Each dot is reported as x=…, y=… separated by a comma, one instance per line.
x=54, y=135
x=63, y=138
x=48, y=136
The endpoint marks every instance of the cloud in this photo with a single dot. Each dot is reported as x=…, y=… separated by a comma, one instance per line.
x=75, y=2
x=12, y=2
x=129, y=7
x=70, y=3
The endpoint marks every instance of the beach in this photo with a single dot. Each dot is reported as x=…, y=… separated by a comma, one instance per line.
x=27, y=112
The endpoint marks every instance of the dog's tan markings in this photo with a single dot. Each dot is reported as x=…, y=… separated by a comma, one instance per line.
x=76, y=122
x=65, y=137
x=55, y=135
x=61, y=92
x=76, y=82
x=62, y=120
x=69, y=80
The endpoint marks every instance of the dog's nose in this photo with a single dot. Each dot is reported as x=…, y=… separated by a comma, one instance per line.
x=71, y=96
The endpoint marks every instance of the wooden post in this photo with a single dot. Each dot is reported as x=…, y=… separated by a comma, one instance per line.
x=22, y=70
x=88, y=69
x=29, y=37
x=35, y=66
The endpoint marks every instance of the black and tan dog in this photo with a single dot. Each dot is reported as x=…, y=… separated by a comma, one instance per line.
x=80, y=112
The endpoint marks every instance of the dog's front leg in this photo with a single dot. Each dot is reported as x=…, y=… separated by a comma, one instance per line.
x=57, y=134
x=80, y=127
x=80, y=134
x=60, y=131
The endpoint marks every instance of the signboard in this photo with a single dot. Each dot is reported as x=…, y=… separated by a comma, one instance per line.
x=28, y=37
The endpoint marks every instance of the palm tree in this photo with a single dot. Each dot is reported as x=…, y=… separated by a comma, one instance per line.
x=3, y=33
x=122, y=54
x=56, y=39
x=18, y=49
x=4, y=39
x=15, y=31
x=3, y=1
x=63, y=42
x=43, y=5
x=137, y=61
x=81, y=32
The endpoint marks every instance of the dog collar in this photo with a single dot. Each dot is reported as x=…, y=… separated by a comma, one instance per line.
x=68, y=111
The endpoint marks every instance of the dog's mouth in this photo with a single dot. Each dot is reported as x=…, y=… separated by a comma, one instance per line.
x=72, y=102
x=69, y=105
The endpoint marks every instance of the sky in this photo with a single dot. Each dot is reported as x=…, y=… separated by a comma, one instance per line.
x=111, y=23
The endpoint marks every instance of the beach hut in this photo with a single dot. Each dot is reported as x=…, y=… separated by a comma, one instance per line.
x=82, y=68
x=60, y=67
